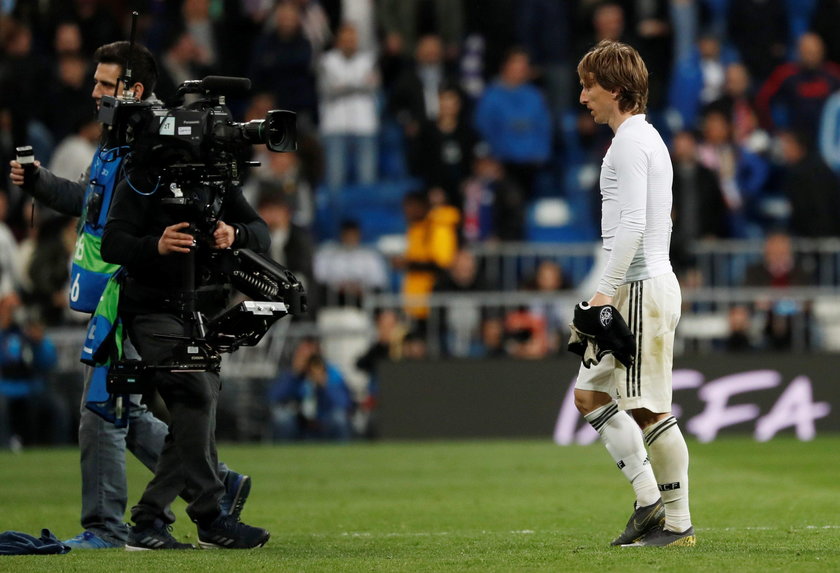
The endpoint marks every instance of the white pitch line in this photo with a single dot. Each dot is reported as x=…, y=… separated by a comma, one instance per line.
x=368, y=534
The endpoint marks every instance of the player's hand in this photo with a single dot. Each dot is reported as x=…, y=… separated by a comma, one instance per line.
x=16, y=173
x=174, y=241
x=600, y=299
x=223, y=236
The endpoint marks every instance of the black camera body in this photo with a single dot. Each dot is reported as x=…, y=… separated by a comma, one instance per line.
x=200, y=137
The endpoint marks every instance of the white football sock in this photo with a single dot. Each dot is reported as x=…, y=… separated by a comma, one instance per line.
x=623, y=440
x=669, y=458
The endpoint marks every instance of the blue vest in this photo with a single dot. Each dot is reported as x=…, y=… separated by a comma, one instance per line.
x=89, y=273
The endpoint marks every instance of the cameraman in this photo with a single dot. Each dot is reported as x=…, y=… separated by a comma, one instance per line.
x=169, y=261
x=102, y=443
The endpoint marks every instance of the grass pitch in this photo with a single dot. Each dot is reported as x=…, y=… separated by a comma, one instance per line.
x=465, y=506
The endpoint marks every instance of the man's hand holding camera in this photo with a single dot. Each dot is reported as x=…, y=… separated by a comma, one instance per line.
x=174, y=240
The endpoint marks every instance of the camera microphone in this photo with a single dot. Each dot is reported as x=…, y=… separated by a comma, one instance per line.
x=226, y=85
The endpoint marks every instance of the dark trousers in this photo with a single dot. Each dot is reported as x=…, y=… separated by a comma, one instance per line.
x=188, y=463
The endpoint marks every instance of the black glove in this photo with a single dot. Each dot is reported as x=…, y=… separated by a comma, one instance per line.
x=611, y=333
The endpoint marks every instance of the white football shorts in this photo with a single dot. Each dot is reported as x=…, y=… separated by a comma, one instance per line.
x=651, y=308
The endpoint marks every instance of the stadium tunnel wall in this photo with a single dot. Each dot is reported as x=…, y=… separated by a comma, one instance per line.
x=765, y=395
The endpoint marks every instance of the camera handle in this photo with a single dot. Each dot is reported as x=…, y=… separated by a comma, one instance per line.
x=193, y=320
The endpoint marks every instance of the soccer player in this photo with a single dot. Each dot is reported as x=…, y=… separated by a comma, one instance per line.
x=636, y=198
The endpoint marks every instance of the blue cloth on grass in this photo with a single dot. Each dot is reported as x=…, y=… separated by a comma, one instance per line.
x=17, y=543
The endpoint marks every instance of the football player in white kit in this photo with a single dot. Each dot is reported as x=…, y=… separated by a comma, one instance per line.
x=636, y=198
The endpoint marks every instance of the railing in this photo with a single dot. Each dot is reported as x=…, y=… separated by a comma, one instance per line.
x=704, y=323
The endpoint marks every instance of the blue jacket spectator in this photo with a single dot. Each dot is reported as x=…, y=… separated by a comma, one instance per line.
x=513, y=118
x=28, y=411
x=311, y=403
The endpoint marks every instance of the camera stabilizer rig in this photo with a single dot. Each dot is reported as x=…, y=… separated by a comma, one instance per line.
x=192, y=155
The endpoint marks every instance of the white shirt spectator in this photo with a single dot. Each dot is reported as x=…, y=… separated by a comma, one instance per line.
x=348, y=87
x=338, y=265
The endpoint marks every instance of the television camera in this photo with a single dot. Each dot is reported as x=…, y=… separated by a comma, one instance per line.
x=193, y=154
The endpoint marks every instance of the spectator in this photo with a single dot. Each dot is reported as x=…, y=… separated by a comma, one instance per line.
x=347, y=270
x=445, y=147
x=204, y=32
x=491, y=341
x=388, y=345
x=794, y=94
x=740, y=337
x=414, y=96
x=22, y=90
x=72, y=92
x=741, y=174
x=182, y=60
x=526, y=334
x=281, y=63
x=431, y=243
x=30, y=412
x=283, y=174
x=404, y=21
x=291, y=245
x=459, y=321
x=415, y=345
x=67, y=39
x=543, y=30
x=97, y=23
x=699, y=210
x=759, y=31
x=811, y=187
x=73, y=153
x=699, y=80
x=602, y=20
x=547, y=282
x=787, y=323
x=493, y=205
x=514, y=120
x=737, y=103
x=48, y=270
x=349, y=122
x=311, y=402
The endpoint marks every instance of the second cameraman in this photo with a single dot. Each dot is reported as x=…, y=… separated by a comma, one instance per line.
x=153, y=243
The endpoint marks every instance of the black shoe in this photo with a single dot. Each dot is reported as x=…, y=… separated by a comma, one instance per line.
x=237, y=488
x=155, y=536
x=661, y=537
x=643, y=520
x=227, y=532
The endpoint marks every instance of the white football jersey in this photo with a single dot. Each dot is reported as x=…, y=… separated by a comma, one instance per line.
x=636, y=199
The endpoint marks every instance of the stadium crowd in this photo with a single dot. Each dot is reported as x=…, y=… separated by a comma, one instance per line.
x=448, y=123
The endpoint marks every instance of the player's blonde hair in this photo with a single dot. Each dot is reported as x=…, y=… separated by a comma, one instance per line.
x=617, y=67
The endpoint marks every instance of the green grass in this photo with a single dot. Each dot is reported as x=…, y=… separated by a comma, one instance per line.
x=466, y=506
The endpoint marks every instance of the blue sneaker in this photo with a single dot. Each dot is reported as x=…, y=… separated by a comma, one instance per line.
x=237, y=488
x=89, y=540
